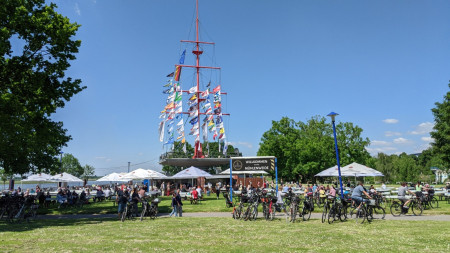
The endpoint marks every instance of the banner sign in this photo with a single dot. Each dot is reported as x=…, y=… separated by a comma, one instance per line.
x=264, y=163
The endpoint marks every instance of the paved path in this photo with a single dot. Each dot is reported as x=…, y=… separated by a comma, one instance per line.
x=228, y=215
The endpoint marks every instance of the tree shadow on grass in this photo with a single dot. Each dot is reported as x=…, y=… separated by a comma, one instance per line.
x=45, y=223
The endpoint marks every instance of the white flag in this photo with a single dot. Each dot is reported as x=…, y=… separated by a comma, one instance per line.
x=161, y=131
x=180, y=123
x=225, y=148
x=193, y=90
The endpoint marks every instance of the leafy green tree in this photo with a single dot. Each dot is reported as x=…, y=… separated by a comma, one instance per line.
x=303, y=149
x=33, y=83
x=441, y=131
x=71, y=165
x=178, y=152
x=279, y=141
x=88, y=171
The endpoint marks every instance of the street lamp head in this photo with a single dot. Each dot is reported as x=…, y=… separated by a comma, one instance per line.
x=332, y=115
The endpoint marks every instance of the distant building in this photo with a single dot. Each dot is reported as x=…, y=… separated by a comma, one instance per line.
x=441, y=175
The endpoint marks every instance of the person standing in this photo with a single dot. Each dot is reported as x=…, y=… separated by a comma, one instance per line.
x=174, y=205
x=217, y=190
x=163, y=188
x=179, y=204
x=121, y=198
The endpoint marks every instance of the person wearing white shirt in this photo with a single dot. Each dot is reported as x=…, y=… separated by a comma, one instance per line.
x=199, y=191
x=107, y=193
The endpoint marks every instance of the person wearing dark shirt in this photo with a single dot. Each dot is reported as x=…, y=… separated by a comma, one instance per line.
x=122, y=199
x=135, y=200
x=179, y=204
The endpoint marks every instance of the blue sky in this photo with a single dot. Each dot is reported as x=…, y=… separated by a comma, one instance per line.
x=380, y=64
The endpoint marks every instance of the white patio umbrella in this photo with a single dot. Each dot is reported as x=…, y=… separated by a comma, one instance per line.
x=143, y=174
x=113, y=177
x=362, y=171
x=65, y=177
x=191, y=172
x=41, y=177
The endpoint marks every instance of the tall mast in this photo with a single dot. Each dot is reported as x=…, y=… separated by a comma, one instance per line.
x=198, y=153
x=198, y=146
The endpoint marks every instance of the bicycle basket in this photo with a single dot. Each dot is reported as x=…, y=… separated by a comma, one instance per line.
x=157, y=200
x=372, y=202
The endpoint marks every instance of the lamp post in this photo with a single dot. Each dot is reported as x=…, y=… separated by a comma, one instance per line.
x=60, y=161
x=333, y=116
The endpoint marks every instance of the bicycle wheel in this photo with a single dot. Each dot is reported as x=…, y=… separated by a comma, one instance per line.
x=272, y=211
x=331, y=215
x=360, y=215
x=342, y=213
x=293, y=212
x=396, y=209
x=124, y=214
x=378, y=212
x=306, y=213
x=247, y=212
x=324, y=213
x=144, y=212
x=434, y=203
x=152, y=212
x=369, y=213
x=417, y=208
x=254, y=213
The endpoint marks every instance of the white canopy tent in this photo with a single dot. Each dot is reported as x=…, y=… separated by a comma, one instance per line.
x=113, y=177
x=66, y=177
x=41, y=177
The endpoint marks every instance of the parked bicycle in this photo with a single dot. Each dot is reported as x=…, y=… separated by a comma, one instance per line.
x=149, y=209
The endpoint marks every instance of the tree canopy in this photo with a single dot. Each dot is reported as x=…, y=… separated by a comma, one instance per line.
x=71, y=165
x=441, y=130
x=36, y=46
x=305, y=148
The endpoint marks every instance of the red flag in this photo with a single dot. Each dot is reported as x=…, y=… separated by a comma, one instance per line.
x=216, y=89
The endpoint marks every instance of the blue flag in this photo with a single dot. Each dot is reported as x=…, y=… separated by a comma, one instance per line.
x=182, y=57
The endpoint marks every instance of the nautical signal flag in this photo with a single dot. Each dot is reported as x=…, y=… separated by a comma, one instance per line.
x=193, y=97
x=169, y=106
x=193, y=90
x=182, y=57
x=177, y=73
x=171, y=74
x=216, y=89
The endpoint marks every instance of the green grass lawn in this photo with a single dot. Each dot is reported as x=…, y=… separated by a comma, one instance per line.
x=223, y=235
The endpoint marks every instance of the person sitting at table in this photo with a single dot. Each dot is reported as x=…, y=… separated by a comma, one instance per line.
x=107, y=193
x=419, y=187
x=74, y=196
x=60, y=198
x=383, y=186
x=194, y=195
x=447, y=186
x=402, y=195
x=99, y=195
x=372, y=190
x=83, y=197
